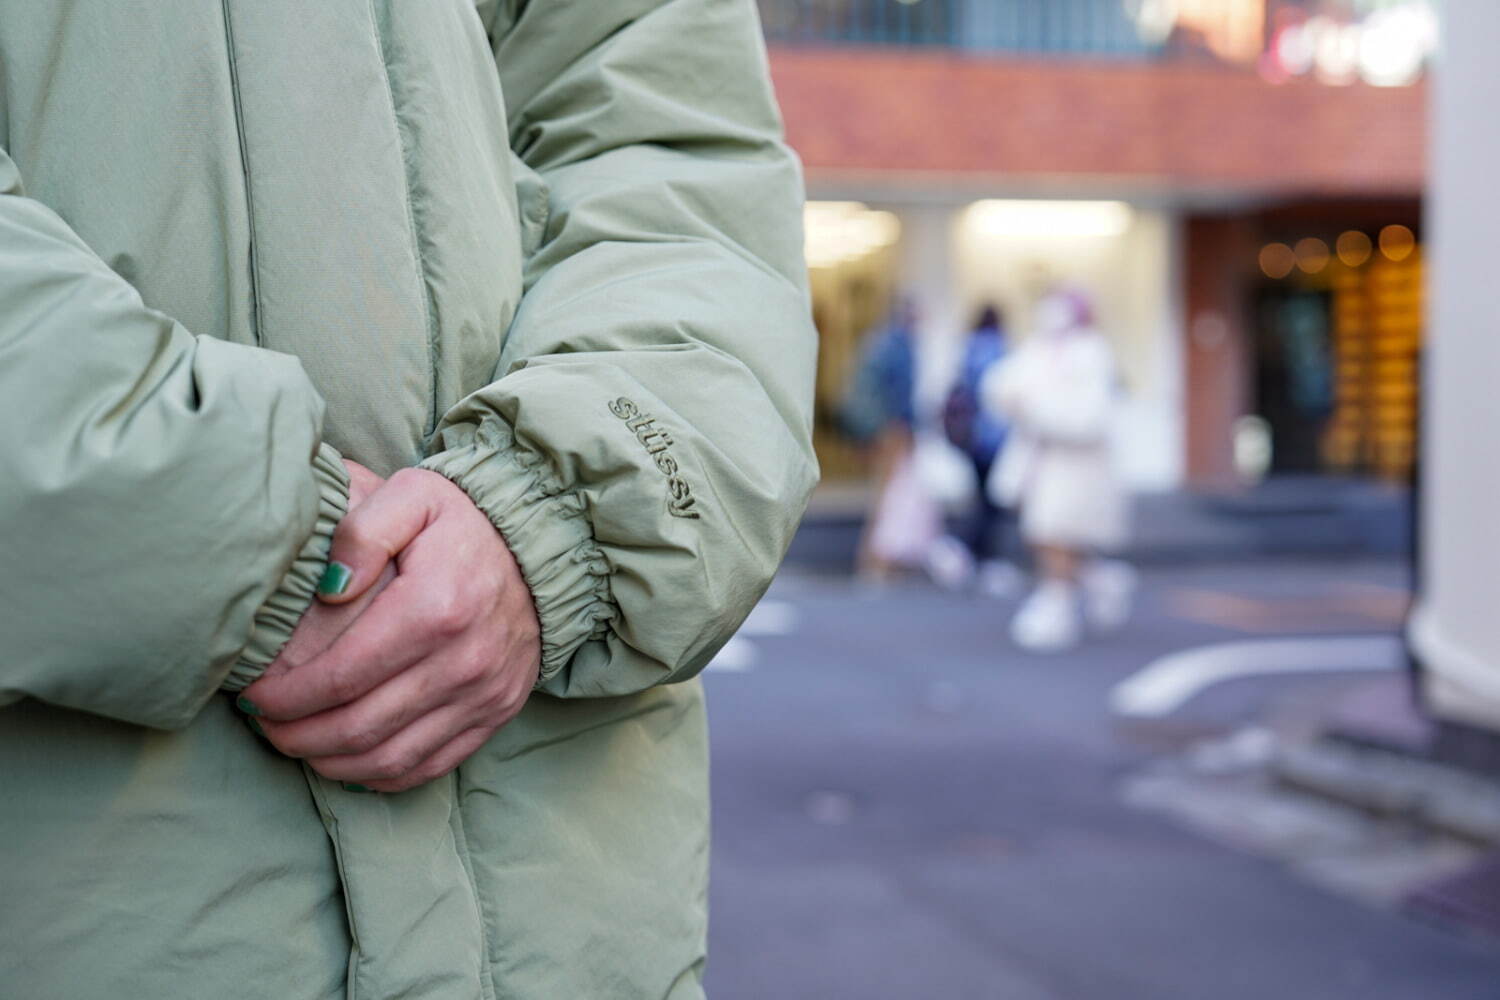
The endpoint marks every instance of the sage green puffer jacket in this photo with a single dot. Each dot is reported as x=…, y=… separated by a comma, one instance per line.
x=548, y=248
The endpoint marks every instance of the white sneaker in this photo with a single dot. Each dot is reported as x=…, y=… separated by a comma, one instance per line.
x=949, y=563
x=999, y=579
x=1109, y=592
x=1049, y=621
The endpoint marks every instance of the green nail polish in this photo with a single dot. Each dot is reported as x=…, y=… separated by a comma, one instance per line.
x=335, y=579
x=350, y=786
x=254, y=725
x=246, y=705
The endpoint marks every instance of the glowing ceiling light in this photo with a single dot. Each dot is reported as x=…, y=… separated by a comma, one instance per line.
x=997, y=219
x=838, y=232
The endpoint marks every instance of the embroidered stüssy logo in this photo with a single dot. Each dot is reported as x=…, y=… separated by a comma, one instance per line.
x=656, y=442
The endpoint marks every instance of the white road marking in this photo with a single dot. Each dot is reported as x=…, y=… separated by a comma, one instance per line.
x=768, y=618
x=771, y=617
x=1166, y=685
x=738, y=656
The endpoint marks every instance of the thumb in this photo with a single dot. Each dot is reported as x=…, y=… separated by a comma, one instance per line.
x=362, y=482
x=371, y=535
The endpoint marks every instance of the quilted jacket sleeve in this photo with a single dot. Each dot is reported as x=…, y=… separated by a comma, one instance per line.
x=164, y=499
x=646, y=448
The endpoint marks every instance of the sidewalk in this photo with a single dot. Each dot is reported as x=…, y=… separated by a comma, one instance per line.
x=1355, y=789
x=1302, y=515
x=1378, y=753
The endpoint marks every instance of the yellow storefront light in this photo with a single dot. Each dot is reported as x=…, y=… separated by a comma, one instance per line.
x=1354, y=248
x=1277, y=260
x=1312, y=254
x=1397, y=242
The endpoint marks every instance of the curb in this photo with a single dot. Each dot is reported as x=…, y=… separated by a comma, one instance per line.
x=1434, y=796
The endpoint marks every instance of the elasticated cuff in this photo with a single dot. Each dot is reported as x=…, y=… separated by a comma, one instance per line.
x=543, y=522
x=278, y=617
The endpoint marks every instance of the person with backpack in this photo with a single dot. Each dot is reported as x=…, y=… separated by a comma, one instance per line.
x=979, y=432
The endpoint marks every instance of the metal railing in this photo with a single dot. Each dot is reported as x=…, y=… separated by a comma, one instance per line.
x=1046, y=27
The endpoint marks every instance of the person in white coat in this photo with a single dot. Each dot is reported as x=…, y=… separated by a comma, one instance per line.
x=1058, y=390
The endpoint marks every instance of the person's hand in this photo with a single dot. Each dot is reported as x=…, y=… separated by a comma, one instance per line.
x=322, y=622
x=362, y=483
x=443, y=656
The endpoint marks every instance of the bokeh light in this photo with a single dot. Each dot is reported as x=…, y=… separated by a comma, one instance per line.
x=1277, y=260
x=1397, y=242
x=1354, y=248
x=1312, y=254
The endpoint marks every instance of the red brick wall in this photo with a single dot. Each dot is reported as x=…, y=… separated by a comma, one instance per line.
x=1166, y=124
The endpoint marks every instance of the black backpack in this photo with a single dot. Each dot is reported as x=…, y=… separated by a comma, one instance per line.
x=960, y=412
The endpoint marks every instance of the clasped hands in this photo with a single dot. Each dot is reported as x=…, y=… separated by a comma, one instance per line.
x=432, y=645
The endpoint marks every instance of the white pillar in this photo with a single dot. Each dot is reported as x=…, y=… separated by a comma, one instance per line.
x=926, y=261
x=1456, y=629
x=926, y=271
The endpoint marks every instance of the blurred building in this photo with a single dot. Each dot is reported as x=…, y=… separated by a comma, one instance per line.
x=1237, y=183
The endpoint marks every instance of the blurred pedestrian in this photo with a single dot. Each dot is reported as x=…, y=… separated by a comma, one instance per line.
x=879, y=413
x=978, y=431
x=1058, y=390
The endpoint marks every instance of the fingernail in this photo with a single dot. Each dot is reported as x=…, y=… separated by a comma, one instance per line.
x=246, y=705
x=335, y=579
x=254, y=725
x=350, y=786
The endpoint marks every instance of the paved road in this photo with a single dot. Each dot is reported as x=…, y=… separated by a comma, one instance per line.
x=907, y=808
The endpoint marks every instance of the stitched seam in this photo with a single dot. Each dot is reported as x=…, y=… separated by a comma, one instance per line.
x=331, y=826
x=481, y=911
x=411, y=228
x=239, y=128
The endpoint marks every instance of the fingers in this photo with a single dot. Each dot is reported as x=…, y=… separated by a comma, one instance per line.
x=362, y=482
x=374, y=532
x=427, y=749
x=390, y=635
x=321, y=624
x=339, y=583
x=460, y=749
x=365, y=723
x=437, y=661
x=468, y=676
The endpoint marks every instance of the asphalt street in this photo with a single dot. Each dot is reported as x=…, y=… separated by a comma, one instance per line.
x=908, y=807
